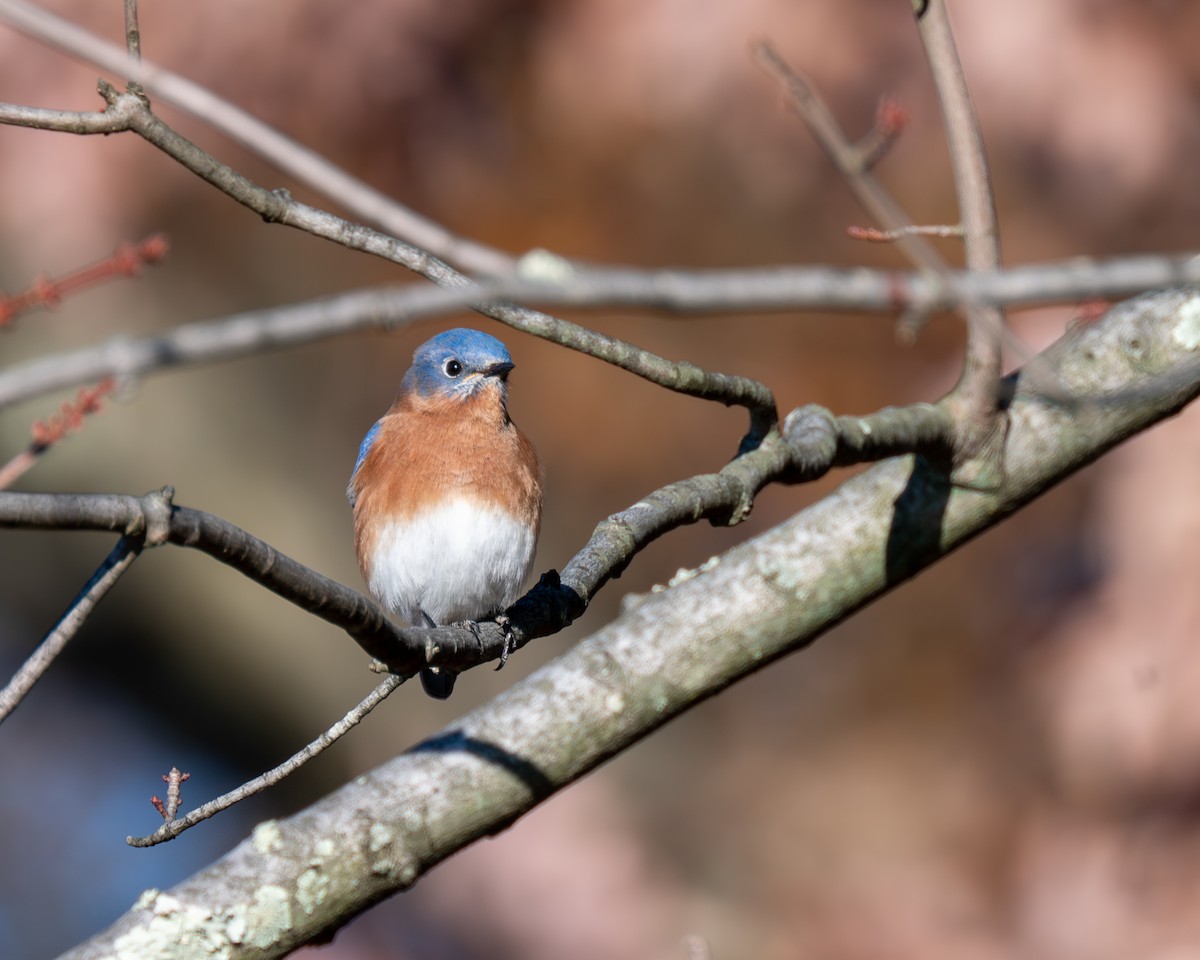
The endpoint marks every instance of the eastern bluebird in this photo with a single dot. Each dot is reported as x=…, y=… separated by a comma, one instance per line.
x=447, y=492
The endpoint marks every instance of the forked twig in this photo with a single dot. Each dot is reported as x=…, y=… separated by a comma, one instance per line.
x=174, y=827
x=977, y=387
x=50, y=431
x=297, y=161
x=128, y=259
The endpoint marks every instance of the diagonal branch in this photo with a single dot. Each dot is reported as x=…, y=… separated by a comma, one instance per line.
x=876, y=200
x=304, y=165
x=174, y=827
x=103, y=580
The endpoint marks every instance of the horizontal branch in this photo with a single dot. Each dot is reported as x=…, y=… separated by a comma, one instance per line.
x=771, y=289
x=762, y=600
x=222, y=540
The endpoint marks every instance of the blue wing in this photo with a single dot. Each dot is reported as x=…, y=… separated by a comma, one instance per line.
x=363, y=449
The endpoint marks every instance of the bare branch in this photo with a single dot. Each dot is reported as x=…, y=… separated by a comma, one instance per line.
x=103, y=580
x=849, y=161
x=293, y=159
x=226, y=542
x=980, y=441
x=890, y=119
x=174, y=827
x=981, y=234
x=764, y=289
x=980, y=379
x=63, y=121
x=174, y=779
x=133, y=36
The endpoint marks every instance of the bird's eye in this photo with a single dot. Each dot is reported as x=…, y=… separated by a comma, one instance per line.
x=452, y=367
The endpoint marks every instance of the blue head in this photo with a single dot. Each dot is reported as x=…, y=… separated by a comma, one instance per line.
x=458, y=363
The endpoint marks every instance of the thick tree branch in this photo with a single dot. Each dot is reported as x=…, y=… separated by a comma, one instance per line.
x=760, y=601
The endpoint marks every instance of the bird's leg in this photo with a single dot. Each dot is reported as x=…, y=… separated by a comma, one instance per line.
x=436, y=682
x=510, y=640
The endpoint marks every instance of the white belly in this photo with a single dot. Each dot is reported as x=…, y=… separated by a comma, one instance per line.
x=461, y=561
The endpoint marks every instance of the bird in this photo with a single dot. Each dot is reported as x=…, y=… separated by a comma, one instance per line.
x=447, y=492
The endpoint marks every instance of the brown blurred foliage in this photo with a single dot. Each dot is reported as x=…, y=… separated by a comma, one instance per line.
x=996, y=761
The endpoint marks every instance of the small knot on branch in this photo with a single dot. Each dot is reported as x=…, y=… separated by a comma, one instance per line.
x=812, y=434
x=154, y=521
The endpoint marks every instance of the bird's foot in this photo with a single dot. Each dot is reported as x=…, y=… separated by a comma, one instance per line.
x=510, y=640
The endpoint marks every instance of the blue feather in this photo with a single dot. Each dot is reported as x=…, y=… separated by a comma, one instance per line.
x=363, y=449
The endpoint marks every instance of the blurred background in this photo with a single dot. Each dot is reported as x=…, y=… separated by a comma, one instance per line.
x=997, y=761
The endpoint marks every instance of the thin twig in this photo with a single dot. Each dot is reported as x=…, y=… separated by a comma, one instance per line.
x=173, y=828
x=106, y=575
x=980, y=380
x=304, y=165
x=63, y=121
x=50, y=431
x=133, y=36
x=133, y=41
x=126, y=261
x=820, y=121
x=890, y=119
x=873, y=235
x=174, y=779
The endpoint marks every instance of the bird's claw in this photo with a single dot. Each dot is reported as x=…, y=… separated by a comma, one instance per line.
x=510, y=640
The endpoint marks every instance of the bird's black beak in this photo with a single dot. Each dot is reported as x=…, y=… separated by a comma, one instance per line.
x=498, y=370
